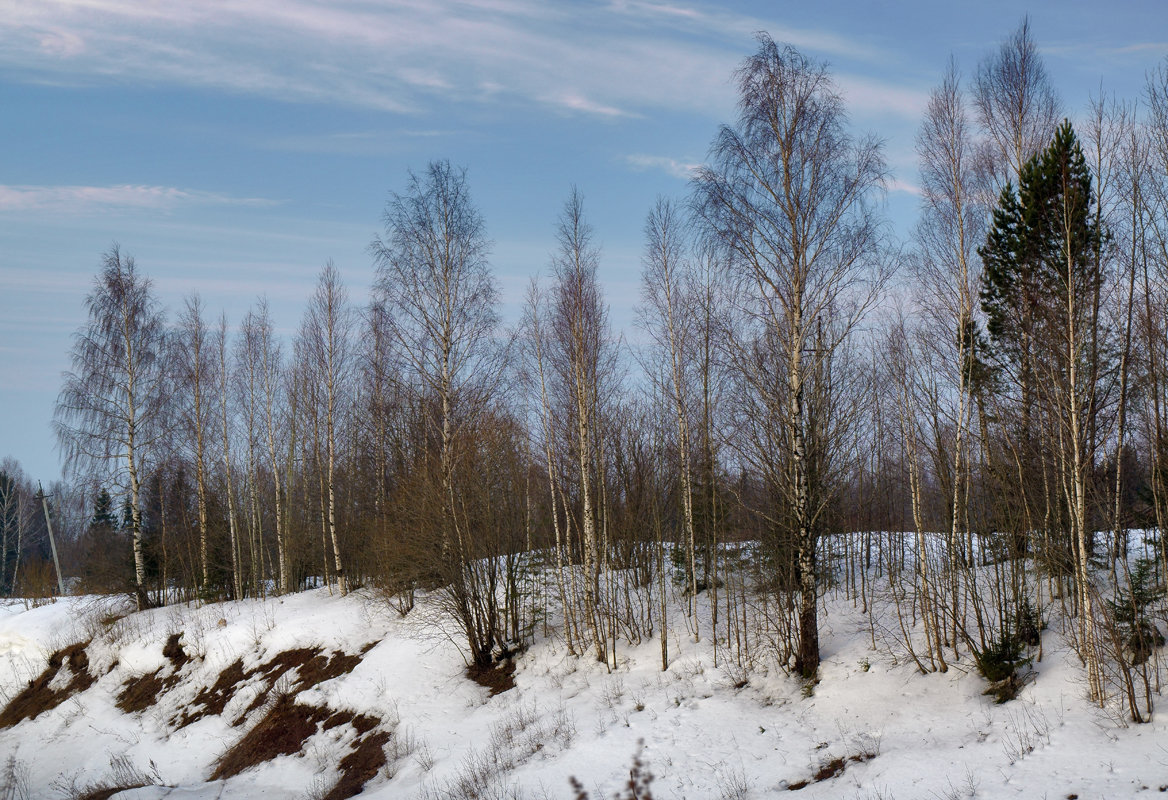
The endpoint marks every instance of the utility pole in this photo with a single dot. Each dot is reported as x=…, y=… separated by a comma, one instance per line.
x=52, y=541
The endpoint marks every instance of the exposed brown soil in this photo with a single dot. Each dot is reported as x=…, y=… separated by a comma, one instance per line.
x=173, y=650
x=106, y=792
x=282, y=731
x=288, y=725
x=213, y=699
x=365, y=758
x=498, y=677
x=38, y=697
x=142, y=692
x=311, y=667
x=831, y=769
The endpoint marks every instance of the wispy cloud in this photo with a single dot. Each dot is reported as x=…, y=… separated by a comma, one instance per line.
x=903, y=187
x=92, y=199
x=610, y=61
x=672, y=166
x=357, y=143
x=865, y=94
x=576, y=102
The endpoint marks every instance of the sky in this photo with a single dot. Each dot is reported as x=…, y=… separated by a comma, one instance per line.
x=233, y=148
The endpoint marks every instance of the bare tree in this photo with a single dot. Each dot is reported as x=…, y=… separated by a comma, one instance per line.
x=18, y=507
x=196, y=377
x=667, y=314
x=434, y=278
x=537, y=346
x=224, y=395
x=788, y=199
x=271, y=381
x=248, y=389
x=1017, y=107
x=582, y=360
x=112, y=407
x=947, y=275
x=325, y=333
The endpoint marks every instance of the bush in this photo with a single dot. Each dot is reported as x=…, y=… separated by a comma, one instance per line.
x=999, y=663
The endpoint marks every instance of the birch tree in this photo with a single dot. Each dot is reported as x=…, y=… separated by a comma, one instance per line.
x=666, y=313
x=196, y=376
x=326, y=336
x=435, y=281
x=111, y=411
x=225, y=430
x=582, y=360
x=788, y=197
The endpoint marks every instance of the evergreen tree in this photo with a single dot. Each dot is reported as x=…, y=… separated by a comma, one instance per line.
x=1037, y=231
x=103, y=512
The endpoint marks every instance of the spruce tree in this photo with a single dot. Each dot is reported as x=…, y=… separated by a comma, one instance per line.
x=103, y=513
x=1026, y=253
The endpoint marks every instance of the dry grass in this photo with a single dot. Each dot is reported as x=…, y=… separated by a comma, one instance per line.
x=173, y=650
x=364, y=759
x=282, y=731
x=38, y=697
x=106, y=792
x=288, y=725
x=142, y=692
x=831, y=769
x=498, y=678
x=311, y=666
x=211, y=700
x=123, y=776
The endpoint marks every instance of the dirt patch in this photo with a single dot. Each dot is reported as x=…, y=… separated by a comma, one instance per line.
x=213, y=699
x=288, y=725
x=106, y=792
x=831, y=769
x=311, y=665
x=174, y=652
x=142, y=692
x=366, y=757
x=282, y=731
x=38, y=696
x=498, y=678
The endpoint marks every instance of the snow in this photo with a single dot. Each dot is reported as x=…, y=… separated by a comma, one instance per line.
x=919, y=736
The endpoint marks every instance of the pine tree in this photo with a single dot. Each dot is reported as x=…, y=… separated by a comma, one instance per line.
x=1035, y=229
x=104, y=517
x=1041, y=294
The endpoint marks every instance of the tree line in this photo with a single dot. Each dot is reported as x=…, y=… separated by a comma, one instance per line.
x=962, y=429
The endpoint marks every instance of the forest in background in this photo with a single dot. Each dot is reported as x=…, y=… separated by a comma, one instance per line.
x=975, y=438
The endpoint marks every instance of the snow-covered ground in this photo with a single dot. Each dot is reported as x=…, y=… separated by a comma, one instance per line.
x=899, y=733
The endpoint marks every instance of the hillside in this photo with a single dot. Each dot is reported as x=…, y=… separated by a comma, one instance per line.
x=315, y=695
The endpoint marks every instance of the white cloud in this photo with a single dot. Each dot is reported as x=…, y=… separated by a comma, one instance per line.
x=865, y=94
x=672, y=166
x=903, y=187
x=91, y=199
x=576, y=102
x=614, y=60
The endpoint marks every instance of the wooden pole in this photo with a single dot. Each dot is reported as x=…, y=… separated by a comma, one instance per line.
x=52, y=541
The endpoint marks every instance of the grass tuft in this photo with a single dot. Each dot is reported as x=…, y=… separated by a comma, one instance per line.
x=39, y=697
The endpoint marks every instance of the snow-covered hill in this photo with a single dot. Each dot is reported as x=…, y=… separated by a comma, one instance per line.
x=315, y=695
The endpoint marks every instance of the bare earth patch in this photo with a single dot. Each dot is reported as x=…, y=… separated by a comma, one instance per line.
x=39, y=697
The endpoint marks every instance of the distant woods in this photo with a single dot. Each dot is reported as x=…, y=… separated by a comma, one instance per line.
x=973, y=456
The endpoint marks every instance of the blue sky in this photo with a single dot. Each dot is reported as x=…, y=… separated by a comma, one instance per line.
x=234, y=147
